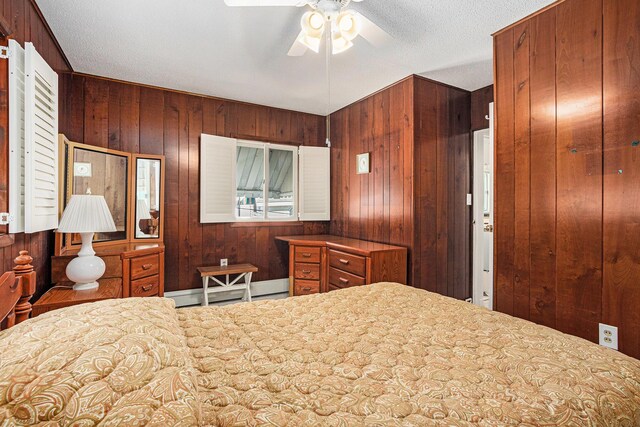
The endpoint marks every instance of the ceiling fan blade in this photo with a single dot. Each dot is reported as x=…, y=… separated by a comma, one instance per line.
x=372, y=33
x=243, y=3
x=297, y=48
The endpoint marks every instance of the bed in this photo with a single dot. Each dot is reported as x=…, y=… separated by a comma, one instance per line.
x=385, y=354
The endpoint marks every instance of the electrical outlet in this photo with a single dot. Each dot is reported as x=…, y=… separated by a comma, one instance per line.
x=224, y=262
x=608, y=336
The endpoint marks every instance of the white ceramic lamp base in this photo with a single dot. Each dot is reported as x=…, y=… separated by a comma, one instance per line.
x=86, y=268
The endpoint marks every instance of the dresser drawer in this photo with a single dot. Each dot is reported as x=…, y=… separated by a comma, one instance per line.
x=347, y=262
x=306, y=287
x=342, y=279
x=147, y=287
x=307, y=271
x=144, y=266
x=307, y=254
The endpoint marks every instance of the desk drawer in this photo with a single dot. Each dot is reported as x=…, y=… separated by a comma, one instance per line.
x=342, y=279
x=307, y=271
x=147, y=287
x=145, y=266
x=347, y=262
x=307, y=254
x=306, y=287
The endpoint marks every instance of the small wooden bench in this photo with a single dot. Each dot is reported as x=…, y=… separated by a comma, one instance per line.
x=243, y=270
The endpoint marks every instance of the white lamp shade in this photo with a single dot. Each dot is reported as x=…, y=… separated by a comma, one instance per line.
x=142, y=209
x=86, y=213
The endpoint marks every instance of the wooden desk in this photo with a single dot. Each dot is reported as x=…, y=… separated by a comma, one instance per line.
x=242, y=270
x=324, y=263
x=62, y=295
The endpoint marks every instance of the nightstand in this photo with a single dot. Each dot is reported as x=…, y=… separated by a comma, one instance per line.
x=62, y=295
x=140, y=267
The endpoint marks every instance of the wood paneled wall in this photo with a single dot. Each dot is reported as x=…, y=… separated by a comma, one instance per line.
x=417, y=132
x=480, y=100
x=26, y=22
x=621, y=181
x=567, y=199
x=442, y=226
x=377, y=206
x=147, y=120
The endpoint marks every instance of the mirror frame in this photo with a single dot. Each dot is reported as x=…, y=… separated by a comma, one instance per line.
x=66, y=147
x=134, y=195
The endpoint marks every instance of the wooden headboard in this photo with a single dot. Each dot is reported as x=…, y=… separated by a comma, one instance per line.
x=16, y=289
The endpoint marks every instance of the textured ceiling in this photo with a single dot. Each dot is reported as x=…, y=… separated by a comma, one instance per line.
x=205, y=47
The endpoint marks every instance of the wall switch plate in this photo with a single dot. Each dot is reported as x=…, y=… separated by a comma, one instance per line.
x=224, y=262
x=469, y=199
x=5, y=218
x=608, y=336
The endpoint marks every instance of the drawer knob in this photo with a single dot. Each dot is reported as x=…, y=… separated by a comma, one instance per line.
x=147, y=288
x=146, y=266
x=306, y=289
x=306, y=271
x=343, y=280
x=344, y=261
x=306, y=255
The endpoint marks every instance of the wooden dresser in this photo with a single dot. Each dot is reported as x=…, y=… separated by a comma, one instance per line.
x=132, y=270
x=324, y=263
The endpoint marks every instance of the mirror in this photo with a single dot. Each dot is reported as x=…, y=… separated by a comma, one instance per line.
x=148, y=198
x=105, y=173
x=132, y=185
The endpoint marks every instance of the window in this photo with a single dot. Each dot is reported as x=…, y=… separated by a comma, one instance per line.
x=256, y=181
x=269, y=167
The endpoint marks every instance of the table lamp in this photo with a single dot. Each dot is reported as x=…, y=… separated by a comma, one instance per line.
x=86, y=214
x=142, y=212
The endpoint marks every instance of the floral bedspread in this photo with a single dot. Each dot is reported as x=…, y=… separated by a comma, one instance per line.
x=381, y=355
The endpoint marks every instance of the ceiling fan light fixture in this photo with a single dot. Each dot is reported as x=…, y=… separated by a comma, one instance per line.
x=312, y=24
x=349, y=24
x=316, y=21
x=339, y=43
x=312, y=43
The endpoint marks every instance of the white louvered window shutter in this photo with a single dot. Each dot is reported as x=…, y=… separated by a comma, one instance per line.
x=41, y=143
x=315, y=184
x=217, y=179
x=16, y=137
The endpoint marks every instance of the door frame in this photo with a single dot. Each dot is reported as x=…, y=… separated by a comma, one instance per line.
x=478, y=211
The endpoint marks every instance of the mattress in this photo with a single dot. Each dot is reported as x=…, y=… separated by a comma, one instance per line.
x=385, y=354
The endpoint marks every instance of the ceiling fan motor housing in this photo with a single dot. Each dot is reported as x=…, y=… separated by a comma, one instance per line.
x=331, y=8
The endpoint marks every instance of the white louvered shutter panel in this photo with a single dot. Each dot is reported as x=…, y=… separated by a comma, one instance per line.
x=16, y=136
x=41, y=143
x=315, y=184
x=217, y=179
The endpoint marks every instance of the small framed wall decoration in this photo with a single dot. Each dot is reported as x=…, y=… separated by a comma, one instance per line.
x=362, y=163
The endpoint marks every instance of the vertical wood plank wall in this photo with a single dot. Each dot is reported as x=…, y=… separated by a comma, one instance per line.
x=480, y=100
x=146, y=120
x=621, y=225
x=374, y=206
x=417, y=132
x=567, y=169
x=27, y=26
x=442, y=162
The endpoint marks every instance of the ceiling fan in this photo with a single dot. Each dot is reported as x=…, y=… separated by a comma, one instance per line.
x=344, y=24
